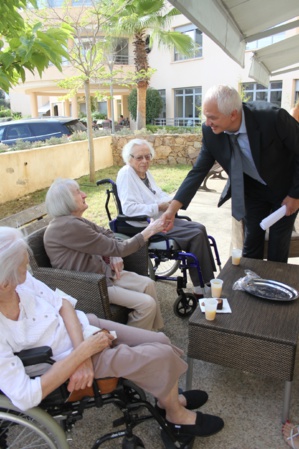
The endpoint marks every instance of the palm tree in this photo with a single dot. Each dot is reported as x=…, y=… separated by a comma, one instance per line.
x=139, y=19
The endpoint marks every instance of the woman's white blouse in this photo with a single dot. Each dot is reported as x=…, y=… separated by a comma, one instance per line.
x=39, y=324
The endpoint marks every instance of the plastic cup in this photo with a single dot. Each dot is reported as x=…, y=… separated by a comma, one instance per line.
x=236, y=256
x=210, y=308
x=216, y=287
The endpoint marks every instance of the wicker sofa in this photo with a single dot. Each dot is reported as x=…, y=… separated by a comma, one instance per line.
x=89, y=289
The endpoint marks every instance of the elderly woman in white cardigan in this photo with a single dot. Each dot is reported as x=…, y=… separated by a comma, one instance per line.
x=140, y=195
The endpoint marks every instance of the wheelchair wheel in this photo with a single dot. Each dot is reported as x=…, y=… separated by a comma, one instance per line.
x=185, y=305
x=31, y=429
x=167, y=267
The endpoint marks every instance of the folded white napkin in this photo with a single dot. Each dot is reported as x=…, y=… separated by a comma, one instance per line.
x=273, y=218
x=225, y=308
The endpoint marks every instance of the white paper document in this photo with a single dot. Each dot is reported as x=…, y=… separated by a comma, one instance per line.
x=273, y=218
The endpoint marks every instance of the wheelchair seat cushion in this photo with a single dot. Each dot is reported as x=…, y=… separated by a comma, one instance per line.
x=159, y=243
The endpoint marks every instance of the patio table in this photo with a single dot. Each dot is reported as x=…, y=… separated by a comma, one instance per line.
x=259, y=336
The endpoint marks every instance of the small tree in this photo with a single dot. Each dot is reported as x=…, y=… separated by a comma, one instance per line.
x=25, y=45
x=154, y=104
x=140, y=19
x=88, y=51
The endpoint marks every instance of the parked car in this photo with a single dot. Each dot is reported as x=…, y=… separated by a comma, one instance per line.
x=38, y=129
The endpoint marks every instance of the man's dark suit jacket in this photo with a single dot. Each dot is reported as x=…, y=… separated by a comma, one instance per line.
x=274, y=141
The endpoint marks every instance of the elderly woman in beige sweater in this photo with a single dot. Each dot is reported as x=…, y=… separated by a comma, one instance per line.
x=75, y=243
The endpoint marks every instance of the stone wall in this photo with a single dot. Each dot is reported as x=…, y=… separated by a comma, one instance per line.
x=171, y=149
x=24, y=172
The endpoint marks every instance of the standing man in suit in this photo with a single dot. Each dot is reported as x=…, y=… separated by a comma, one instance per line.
x=268, y=151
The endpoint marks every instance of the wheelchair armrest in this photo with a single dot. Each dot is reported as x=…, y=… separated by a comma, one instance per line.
x=159, y=237
x=122, y=217
x=34, y=356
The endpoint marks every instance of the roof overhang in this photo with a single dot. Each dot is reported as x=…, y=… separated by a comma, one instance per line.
x=271, y=59
x=233, y=23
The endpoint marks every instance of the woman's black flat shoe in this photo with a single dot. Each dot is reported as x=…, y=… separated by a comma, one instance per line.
x=204, y=426
x=194, y=400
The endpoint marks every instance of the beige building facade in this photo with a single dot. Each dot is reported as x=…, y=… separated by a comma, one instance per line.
x=182, y=83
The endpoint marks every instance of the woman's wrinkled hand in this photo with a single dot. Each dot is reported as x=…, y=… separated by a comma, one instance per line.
x=98, y=342
x=163, y=206
x=82, y=377
x=153, y=228
x=117, y=265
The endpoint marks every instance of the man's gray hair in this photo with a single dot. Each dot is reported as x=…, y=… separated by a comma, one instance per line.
x=226, y=97
x=128, y=149
x=13, y=248
x=60, y=197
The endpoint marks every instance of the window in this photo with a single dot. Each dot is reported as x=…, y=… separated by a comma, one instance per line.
x=121, y=51
x=260, y=43
x=162, y=93
x=258, y=92
x=85, y=44
x=187, y=106
x=19, y=131
x=196, y=35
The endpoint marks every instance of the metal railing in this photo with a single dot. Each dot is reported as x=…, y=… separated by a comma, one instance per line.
x=177, y=121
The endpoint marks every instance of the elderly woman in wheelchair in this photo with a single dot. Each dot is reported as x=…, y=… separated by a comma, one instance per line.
x=31, y=314
x=75, y=243
x=140, y=195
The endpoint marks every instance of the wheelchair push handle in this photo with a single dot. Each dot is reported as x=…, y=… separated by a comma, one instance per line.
x=105, y=181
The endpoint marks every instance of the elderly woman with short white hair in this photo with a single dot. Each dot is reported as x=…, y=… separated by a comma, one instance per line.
x=32, y=315
x=75, y=243
x=140, y=195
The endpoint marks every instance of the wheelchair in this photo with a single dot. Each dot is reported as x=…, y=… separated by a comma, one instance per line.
x=165, y=256
x=47, y=426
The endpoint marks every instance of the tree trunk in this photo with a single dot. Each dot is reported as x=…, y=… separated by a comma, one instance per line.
x=89, y=132
x=141, y=105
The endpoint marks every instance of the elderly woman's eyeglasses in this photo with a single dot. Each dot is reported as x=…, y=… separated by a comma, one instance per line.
x=147, y=157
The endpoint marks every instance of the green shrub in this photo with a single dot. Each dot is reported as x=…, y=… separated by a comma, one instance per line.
x=98, y=115
x=78, y=136
x=154, y=104
x=5, y=113
x=52, y=141
x=156, y=129
x=4, y=148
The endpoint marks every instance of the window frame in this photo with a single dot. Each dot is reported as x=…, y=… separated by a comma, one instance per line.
x=198, y=45
x=184, y=119
x=259, y=88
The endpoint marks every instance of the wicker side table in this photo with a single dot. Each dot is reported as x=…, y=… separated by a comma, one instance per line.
x=259, y=336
